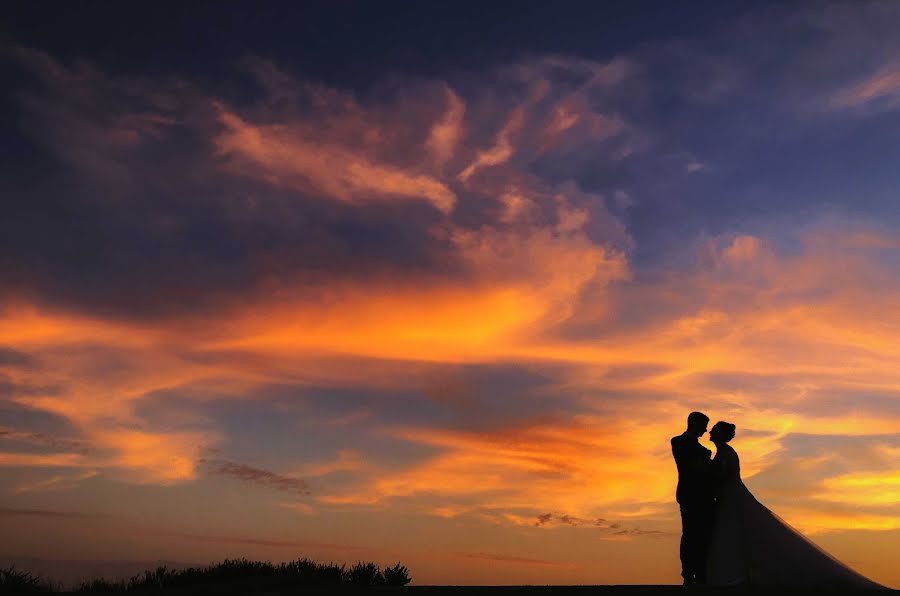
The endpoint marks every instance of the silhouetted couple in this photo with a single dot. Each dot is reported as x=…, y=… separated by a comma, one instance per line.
x=730, y=538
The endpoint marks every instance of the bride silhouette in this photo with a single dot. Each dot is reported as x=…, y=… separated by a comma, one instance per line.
x=750, y=544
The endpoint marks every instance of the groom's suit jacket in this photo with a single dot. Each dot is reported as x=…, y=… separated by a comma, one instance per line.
x=695, y=486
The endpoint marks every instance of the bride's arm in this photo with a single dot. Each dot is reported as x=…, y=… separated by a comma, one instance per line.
x=719, y=472
x=734, y=464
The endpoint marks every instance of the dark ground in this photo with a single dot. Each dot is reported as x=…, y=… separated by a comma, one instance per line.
x=503, y=591
x=592, y=590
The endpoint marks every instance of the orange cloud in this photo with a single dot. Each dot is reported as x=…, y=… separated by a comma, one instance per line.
x=880, y=85
x=516, y=560
x=864, y=488
x=522, y=285
x=55, y=483
x=51, y=460
x=502, y=148
x=817, y=520
x=519, y=282
x=282, y=156
x=590, y=467
x=445, y=134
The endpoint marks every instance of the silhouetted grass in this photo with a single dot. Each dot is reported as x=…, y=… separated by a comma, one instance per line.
x=231, y=576
x=16, y=581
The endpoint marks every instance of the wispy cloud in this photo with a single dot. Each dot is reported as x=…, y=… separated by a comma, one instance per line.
x=44, y=439
x=14, y=358
x=256, y=476
x=695, y=167
x=12, y=512
x=246, y=540
x=502, y=148
x=281, y=156
x=446, y=133
x=500, y=558
x=882, y=86
x=56, y=482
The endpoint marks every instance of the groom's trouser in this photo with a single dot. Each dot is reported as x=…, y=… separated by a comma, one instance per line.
x=696, y=531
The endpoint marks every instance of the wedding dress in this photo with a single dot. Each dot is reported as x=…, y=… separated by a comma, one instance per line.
x=750, y=543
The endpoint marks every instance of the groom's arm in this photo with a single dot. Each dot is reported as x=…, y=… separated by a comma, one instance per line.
x=683, y=454
x=705, y=459
x=694, y=457
x=701, y=462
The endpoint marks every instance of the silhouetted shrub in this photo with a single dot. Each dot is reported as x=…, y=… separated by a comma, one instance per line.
x=100, y=585
x=398, y=575
x=160, y=578
x=310, y=572
x=15, y=581
x=236, y=575
x=365, y=574
x=230, y=568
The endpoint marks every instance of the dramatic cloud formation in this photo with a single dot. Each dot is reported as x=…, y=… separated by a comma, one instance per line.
x=272, y=312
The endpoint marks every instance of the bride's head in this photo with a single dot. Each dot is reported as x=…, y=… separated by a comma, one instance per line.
x=722, y=432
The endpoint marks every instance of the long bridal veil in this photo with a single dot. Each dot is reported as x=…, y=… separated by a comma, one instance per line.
x=751, y=543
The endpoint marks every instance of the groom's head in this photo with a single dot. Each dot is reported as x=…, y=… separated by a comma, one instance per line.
x=697, y=422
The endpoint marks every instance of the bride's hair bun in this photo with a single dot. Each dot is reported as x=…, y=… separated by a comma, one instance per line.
x=723, y=430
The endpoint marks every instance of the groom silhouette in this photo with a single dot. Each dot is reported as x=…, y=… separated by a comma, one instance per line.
x=695, y=497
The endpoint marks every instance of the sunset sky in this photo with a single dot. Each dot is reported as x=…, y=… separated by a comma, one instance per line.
x=437, y=282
